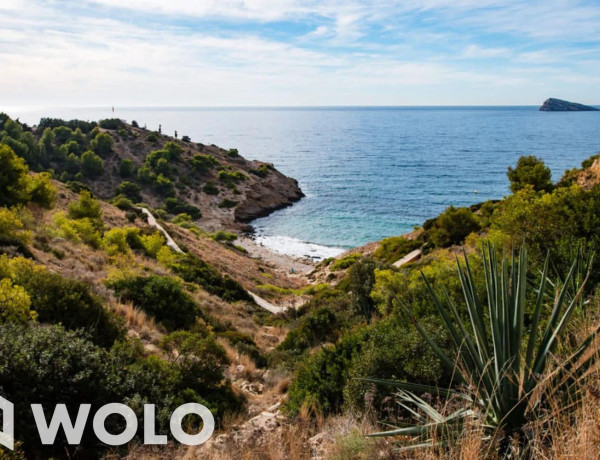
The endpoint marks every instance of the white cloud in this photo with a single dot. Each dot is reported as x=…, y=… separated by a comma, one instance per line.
x=478, y=52
x=50, y=54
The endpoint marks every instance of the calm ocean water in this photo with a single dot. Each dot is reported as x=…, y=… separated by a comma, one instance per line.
x=369, y=173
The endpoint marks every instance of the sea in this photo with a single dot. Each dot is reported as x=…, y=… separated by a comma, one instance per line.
x=369, y=172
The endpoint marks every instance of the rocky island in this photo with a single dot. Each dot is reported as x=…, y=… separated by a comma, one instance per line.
x=558, y=105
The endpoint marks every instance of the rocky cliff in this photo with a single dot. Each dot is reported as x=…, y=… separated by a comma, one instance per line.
x=558, y=105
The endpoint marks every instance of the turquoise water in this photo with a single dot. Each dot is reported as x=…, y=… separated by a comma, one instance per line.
x=369, y=173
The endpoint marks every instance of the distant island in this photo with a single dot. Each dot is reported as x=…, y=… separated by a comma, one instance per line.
x=558, y=105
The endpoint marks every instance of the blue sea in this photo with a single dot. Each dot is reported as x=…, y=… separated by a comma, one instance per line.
x=371, y=172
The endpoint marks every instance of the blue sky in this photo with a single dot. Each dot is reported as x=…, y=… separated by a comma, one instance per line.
x=292, y=52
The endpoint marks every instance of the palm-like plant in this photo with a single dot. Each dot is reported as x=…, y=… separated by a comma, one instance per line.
x=501, y=363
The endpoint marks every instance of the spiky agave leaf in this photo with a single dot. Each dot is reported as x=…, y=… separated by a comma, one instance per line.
x=500, y=371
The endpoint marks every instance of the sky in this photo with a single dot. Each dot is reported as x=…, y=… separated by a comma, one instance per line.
x=298, y=53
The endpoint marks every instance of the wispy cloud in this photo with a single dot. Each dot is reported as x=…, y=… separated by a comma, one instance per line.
x=252, y=52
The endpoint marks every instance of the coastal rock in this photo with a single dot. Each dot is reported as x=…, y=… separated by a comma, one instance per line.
x=558, y=105
x=273, y=192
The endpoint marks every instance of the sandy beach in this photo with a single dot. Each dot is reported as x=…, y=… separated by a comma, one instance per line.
x=283, y=262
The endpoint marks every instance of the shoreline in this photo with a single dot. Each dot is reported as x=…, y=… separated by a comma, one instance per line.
x=282, y=262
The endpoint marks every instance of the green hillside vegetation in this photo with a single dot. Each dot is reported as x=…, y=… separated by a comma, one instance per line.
x=96, y=308
x=334, y=345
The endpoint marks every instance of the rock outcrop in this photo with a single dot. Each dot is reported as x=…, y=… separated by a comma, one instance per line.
x=558, y=105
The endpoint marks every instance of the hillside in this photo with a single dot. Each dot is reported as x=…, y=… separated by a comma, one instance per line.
x=95, y=307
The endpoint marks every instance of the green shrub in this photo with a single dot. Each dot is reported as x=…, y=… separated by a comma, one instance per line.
x=194, y=270
x=56, y=299
x=221, y=235
x=161, y=297
x=112, y=123
x=226, y=203
x=361, y=279
x=177, y=206
x=126, y=168
x=345, y=262
x=42, y=191
x=261, y=171
x=186, y=139
x=86, y=206
x=62, y=134
x=14, y=180
x=91, y=164
x=202, y=163
x=453, y=226
x=164, y=186
x=229, y=177
x=15, y=303
x=152, y=137
x=83, y=126
x=146, y=175
x=233, y=153
x=210, y=188
x=530, y=171
x=394, y=248
x=393, y=350
x=245, y=345
x=130, y=190
x=62, y=367
x=316, y=328
x=320, y=378
x=102, y=144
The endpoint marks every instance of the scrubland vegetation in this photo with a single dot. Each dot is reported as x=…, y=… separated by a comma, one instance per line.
x=485, y=347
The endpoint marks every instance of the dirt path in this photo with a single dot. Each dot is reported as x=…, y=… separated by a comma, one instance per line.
x=171, y=243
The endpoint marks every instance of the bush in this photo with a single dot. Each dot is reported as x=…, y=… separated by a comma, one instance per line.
x=15, y=303
x=226, y=203
x=12, y=226
x=345, y=262
x=393, y=350
x=194, y=270
x=261, y=171
x=530, y=171
x=320, y=378
x=84, y=126
x=130, y=190
x=42, y=191
x=62, y=134
x=186, y=139
x=86, y=206
x=202, y=163
x=91, y=164
x=177, y=206
x=153, y=244
x=152, y=137
x=361, y=279
x=233, y=153
x=316, y=328
x=231, y=177
x=62, y=367
x=210, y=188
x=115, y=241
x=394, y=248
x=164, y=186
x=102, y=144
x=112, y=123
x=146, y=175
x=126, y=168
x=221, y=235
x=161, y=297
x=453, y=226
x=56, y=299
x=14, y=181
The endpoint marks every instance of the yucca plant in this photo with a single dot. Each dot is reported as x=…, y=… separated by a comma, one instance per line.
x=503, y=368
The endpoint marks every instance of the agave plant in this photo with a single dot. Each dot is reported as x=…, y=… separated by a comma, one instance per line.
x=501, y=364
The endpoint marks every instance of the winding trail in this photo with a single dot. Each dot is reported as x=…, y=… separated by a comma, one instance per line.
x=173, y=245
